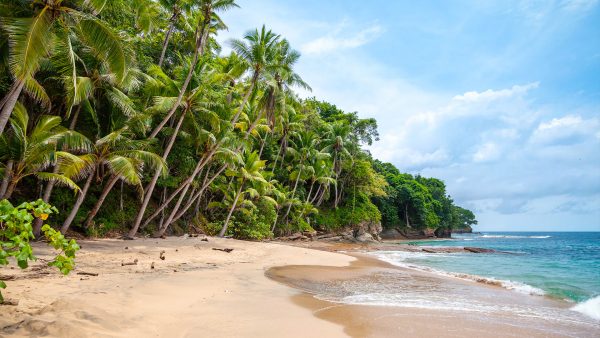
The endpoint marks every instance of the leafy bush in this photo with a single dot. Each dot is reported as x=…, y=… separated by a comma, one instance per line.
x=16, y=231
x=357, y=210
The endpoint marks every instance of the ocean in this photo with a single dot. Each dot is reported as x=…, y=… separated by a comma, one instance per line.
x=559, y=265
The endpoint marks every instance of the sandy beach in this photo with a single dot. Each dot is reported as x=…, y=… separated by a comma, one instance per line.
x=256, y=290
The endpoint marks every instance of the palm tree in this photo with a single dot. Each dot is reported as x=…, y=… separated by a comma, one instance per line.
x=208, y=10
x=258, y=52
x=304, y=146
x=55, y=25
x=123, y=159
x=198, y=98
x=336, y=137
x=250, y=171
x=31, y=150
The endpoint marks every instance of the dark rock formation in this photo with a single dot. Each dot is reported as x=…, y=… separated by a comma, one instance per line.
x=443, y=233
x=478, y=250
x=405, y=233
x=466, y=230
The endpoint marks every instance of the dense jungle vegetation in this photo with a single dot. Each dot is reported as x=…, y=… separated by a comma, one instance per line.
x=127, y=117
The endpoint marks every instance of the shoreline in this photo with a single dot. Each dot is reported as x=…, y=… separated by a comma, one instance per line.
x=264, y=289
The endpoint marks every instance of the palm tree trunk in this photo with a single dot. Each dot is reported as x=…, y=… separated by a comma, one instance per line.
x=11, y=188
x=96, y=208
x=166, y=43
x=277, y=156
x=7, y=177
x=237, y=196
x=78, y=202
x=150, y=188
x=199, y=50
x=9, y=102
x=294, y=191
x=37, y=223
x=198, y=194
x=75, y=117
x=316, y=194
x=246, y=97
x=312, y=184
x=166, y=224
x=275, y=223
x=183, y=186
x=262, y=145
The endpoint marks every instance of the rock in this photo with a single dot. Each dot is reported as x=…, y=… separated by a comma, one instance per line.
x=366, y=237
x=443, y=233
x=478, y=250
x=465, y=230
x=407, y=233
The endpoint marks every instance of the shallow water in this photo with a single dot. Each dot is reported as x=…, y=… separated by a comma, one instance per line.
x=557, y=264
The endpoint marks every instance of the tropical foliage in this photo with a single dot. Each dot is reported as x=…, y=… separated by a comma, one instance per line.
x=127, y=116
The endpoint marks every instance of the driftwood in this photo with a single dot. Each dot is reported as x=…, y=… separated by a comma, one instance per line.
x=8, y=301
x=135, y=261
x=83, y=273
x=224, y=250
x=429, y=250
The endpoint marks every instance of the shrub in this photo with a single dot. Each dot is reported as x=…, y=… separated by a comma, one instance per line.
x=16, y=232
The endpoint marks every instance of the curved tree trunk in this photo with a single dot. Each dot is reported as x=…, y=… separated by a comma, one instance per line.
x=80, y=198
x=198, y=194
x=294, y=191
x=201, y=37
x=11, y=188
x=8, y=103
x=237, y=197
x=246, y=97
x=7, y=177
x=166, y=43
x=96, y=208
x=150, y=188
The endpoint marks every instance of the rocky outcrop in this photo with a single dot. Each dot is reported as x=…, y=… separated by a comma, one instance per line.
x=465, y=230
x=405, y=233
x=367, y=231
x=364, y=232
x=443, y=233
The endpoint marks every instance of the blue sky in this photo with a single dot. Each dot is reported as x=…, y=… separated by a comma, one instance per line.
x=499, y=99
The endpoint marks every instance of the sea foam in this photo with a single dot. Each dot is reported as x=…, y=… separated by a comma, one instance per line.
x=513, y=236
x=398, y=258
x=590, y=307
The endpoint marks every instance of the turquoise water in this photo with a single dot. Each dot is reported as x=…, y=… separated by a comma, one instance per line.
x=564, y=265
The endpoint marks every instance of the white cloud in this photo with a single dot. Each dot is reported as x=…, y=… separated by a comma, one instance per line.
x=491, y=95
x=334, y=41
x=565, y=130
x=487, y=152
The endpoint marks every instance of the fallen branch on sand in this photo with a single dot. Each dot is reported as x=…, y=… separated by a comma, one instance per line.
x=135, y=261
x=83, y=273
x=225, y=250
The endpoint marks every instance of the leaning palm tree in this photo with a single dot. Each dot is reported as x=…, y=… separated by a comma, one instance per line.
x=55, y=25
x=304, y=147
x=208, y=20
x=29, y=151
x=122, y=158
x=250, y=171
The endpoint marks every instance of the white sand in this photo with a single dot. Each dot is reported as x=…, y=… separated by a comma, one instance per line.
x=212, y=294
